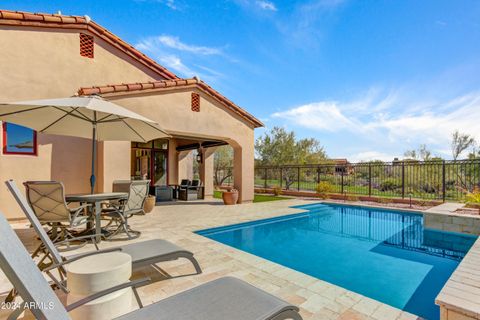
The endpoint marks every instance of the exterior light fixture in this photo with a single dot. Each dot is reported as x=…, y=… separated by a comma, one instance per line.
x=199, y=156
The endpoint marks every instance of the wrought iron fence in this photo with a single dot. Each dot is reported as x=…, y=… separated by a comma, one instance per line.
x=431, y=180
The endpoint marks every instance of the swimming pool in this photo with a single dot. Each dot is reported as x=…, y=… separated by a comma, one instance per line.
x=383, y=254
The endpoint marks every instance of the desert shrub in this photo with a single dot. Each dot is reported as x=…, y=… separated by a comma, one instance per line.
x=323, y=188
x=277, y=190
x=389, y=185
x=473, y=197
x=383, y=200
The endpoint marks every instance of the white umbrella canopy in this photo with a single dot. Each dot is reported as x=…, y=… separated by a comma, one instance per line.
x=85, y=117
x=75, y=116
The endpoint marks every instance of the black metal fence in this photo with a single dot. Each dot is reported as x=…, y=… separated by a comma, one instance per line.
x=430, y=180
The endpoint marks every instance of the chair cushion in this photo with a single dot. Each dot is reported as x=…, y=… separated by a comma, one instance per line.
x=153, y=250
x=221, y=299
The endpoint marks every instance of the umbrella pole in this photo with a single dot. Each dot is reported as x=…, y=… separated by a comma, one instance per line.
x=94, y=156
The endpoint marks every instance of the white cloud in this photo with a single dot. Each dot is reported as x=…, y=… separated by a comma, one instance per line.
x=391, y=118
x=174, y=54
x=371, y=155
x=169, y=3
x=175, y=63
x=175, y=43
x=266, y=5
x=317, y=116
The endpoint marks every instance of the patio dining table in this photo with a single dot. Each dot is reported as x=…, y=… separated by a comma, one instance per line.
x=96, y=199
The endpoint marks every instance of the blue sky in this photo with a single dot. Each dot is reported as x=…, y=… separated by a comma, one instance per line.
x=369, y=79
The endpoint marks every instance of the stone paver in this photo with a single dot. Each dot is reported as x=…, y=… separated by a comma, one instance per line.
x=317, y=299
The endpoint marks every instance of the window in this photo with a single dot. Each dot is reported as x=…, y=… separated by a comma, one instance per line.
x=86, y=45
x=19, y=140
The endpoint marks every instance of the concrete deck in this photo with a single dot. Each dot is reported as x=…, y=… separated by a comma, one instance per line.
x=317, y=299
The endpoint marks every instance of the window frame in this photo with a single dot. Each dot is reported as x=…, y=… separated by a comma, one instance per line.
x=5, y=143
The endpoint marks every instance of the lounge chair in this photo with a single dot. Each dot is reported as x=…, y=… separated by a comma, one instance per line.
x=47, y=199
x=221, y=299
x=118, y=212
x=143, y=253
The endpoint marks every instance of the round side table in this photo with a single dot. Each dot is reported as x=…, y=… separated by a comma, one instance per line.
x=95, y=273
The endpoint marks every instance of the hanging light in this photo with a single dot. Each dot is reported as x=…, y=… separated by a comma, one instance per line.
x=199, y=156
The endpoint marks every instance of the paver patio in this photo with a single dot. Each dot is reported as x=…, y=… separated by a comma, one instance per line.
x=175, y=222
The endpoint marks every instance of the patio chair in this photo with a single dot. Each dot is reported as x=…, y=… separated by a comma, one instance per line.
x=192, y=192
x=47, y=199
x=143, y=253
x=118, y=212
x=184, y=183
x=224, y=298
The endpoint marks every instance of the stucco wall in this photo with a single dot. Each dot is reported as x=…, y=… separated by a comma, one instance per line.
x=45, y=63
x=172, y=110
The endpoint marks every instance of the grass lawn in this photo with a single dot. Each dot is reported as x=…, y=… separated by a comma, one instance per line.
x=257, y=197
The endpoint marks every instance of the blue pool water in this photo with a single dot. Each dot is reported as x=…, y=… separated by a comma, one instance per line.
x=386, y=255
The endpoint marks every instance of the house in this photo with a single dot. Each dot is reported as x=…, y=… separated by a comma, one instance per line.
x=342, y=166
x=53, y=56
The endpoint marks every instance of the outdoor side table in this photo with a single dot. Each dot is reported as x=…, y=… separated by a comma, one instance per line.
x=96, y=200
x=95, y=273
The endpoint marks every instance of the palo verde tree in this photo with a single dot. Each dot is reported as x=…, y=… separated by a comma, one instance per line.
x=281, y=148
x=460, y=143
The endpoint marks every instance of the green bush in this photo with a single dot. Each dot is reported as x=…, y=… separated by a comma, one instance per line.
x=323, y=188
x=389, y=185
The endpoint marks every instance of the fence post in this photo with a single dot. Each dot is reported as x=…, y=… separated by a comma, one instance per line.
x=281, y=177
x=342, y=181
x=443, y=181
x=369, y=179
x=298, y=178
x=403, y=179
x=265, y=177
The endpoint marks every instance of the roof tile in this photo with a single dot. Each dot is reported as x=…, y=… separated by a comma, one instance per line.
x=171, y=84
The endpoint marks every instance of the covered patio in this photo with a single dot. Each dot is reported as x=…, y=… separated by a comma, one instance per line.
x=198, y=119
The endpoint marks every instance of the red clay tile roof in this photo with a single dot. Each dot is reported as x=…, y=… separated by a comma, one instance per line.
x=41, y=20
x=173, y=84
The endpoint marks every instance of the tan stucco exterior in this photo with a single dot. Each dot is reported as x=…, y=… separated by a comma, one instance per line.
x=40, y=63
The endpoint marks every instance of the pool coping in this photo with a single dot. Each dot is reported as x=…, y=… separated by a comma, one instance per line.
x=460, y=296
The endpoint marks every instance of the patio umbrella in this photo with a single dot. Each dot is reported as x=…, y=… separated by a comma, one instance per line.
x=86, y=117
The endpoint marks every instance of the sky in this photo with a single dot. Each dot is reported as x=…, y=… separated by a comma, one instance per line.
x=368, y=79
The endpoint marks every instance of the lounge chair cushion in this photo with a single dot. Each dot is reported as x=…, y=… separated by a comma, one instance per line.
x=151, y=251
x=148, y=250
x=222, y=299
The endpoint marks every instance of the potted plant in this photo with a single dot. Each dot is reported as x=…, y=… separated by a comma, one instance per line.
x=149, y=204
x=230, y=196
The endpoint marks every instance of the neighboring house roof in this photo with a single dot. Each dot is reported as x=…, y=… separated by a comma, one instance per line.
x=169, y=85
x=41, y=20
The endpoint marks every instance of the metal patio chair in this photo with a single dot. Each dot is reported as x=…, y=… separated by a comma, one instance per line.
x=118, y=212
x=47, y=199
